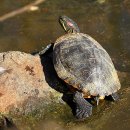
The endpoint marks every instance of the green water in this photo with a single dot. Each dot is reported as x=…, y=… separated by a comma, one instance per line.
x=108, y=22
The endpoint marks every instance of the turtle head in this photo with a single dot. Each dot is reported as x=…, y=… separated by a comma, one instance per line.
x=68, y=24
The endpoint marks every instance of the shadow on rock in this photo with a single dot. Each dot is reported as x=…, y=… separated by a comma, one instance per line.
x=7, y=124
x=54, y=81
x=51, y=76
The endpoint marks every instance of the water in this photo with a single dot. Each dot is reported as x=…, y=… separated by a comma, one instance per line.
x=108, y=22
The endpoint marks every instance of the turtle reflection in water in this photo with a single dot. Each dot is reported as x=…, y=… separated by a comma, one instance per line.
x=84, y=64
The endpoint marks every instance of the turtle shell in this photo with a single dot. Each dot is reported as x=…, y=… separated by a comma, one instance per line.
x=84, y=64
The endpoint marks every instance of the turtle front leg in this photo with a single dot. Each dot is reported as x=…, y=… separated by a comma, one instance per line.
x=44, y=50
x=83, y=107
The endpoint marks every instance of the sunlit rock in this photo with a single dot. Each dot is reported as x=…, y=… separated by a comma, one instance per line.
x=24, y=90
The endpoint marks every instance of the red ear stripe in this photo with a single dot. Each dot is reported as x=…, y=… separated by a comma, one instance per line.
x=70, y=24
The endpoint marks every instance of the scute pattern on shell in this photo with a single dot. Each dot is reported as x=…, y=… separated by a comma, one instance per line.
x=83, y=63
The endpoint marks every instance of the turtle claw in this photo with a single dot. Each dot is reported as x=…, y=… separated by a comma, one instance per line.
x=115, y=96
x=97, y=100
x=83, y=107
x=82, y=114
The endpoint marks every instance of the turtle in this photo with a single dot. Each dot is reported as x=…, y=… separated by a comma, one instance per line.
x=81, y=62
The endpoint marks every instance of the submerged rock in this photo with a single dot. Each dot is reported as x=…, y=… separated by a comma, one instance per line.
x=25, y=89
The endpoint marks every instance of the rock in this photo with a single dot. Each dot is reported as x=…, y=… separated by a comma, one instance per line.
x=29, y=86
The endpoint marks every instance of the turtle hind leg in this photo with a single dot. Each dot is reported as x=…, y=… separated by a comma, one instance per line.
x=115, y=96
x=83, y=107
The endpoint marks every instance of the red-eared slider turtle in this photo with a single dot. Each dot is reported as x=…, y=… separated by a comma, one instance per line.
x=84, y=64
